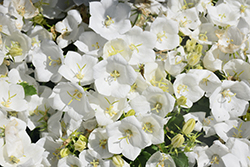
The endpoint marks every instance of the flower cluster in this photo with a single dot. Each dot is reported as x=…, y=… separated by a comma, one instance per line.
x=125, y=83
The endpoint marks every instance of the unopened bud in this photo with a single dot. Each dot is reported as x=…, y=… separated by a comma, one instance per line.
x=80, y=145
x=177, y=141
x=118, y=161
x=182, y=101
x=130, y=113
x=188, y=126
x=64, y=152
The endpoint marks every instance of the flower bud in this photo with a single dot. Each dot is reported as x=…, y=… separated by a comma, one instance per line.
x=82, y=138
x=130, y=113
x=188, y=126
x=64, y=152
x=117, y=161
x=177, y=141
x=182, y=101
x=80, y=145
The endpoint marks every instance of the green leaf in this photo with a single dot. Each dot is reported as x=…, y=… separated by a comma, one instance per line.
x=29, y=90
x=201, y=105
x=181, y=160
x=175, y=123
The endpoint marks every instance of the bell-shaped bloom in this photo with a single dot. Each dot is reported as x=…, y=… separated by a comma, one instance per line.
x=161, y=103
x=166, y=31
x=186, y=87
x=230, y=100
x=71, y=98
x=126, y=137
x=16, y=46
x=90, y=43
x=47, y=62
x=114, y=76
x=160, y=159
x=141, y=43
x=77, y=68
x=68, y=28
x=109, y=18
x=98, y=141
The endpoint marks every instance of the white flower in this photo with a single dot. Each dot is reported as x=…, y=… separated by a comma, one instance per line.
x=214, y=59
x=240, y=131
x=166, y=31
x=228, y=100
x=174, y=64
x=188, y=20
x=47, y=62
x=205, y=34
x=222, y=14
x=18, y=148
x=141, y=43
x=126, y=137
x=160, y=159
x=90, y=43
x=114, y=77
x=237, y=69
x=186, y=86
x=117, y=46
x=161, y=103
x=109, y=18
x=208, y=81
x=152, y=124
x=37, y=35
x=92, y=158
x=233, y=37
x=239, y=148
x=98, y=141
x=154, y=74
x=68, y=28
x=16, y=46
x=71, y=98
x=11, y=96
x=77, y=68
x=107, y=109
x=69, y=161
x=219, y=155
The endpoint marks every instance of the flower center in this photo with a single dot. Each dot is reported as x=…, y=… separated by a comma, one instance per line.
x=148, y=127
x=95, y=163
x=54, y=61
x=15, y=49
x=227, y=93
x=242, y=8
x=157, y=107
x=13, y=159
x=160, y=84
x=79, y=75
x=96, y=45
x=160, y=36
x=238, y=135
x=108, y=21
x=102, y=143
x=215, y=159
x=115, y=74
x=114, y=51
x=203, y=37
x=75, y=95
x=182, y=88
x=128, y=135
x=134, y=47
x=6, y=103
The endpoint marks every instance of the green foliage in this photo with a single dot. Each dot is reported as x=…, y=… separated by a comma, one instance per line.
x=175, y=123
x=181, y=160
x=201, y=105
x=29, y=90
